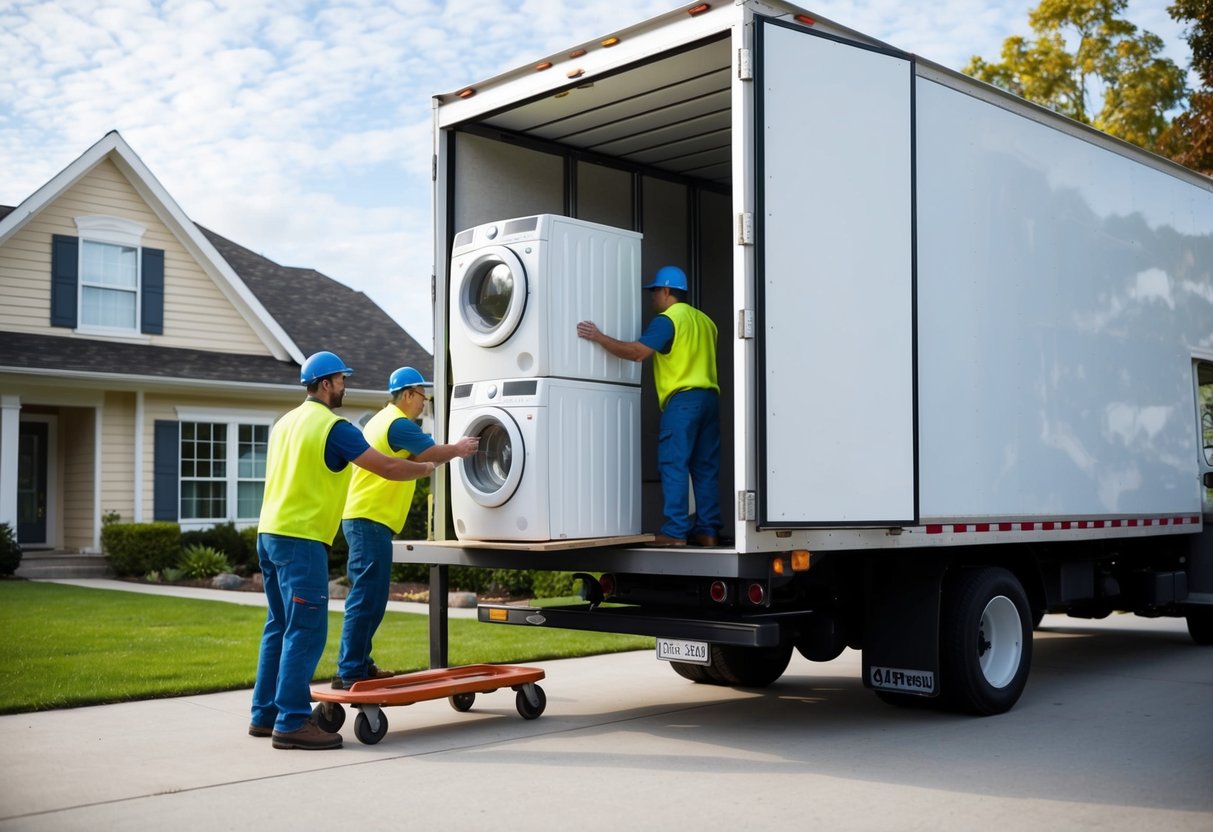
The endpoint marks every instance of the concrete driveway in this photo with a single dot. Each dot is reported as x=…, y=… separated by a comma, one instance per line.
x=1115, y=731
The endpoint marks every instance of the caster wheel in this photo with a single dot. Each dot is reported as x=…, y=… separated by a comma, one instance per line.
x=330, y=716
x=463, y=702
x=363, y=731
x=528, y=711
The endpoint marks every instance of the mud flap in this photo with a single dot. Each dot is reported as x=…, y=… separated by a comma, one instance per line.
x=901, y=625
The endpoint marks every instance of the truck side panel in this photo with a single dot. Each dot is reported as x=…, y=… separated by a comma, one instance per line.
x=1061, y=290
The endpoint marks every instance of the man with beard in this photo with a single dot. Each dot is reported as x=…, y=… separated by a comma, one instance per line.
x=306, y=477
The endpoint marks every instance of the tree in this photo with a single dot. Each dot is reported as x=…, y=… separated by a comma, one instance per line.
x=1189, y=140
x=1111, y=57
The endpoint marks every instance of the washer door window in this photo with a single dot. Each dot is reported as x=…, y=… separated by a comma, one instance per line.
x=492, y=296
x=492, y=474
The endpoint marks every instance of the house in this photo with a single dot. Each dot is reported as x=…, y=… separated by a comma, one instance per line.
x=143, y=358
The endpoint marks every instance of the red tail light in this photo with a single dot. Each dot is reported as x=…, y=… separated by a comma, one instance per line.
x=756, y=594
x=718, y=592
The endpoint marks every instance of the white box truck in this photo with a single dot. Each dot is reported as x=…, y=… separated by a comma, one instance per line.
x=966, y=348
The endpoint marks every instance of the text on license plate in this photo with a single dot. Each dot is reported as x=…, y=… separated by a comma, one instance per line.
x=680, y=650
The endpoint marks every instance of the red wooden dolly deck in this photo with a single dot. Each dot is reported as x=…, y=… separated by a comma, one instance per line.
x=459, y=684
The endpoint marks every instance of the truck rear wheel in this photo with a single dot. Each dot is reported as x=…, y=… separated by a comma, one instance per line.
x=749, y=667
x=985, y=641
x=1200, y=625
x=698, y=673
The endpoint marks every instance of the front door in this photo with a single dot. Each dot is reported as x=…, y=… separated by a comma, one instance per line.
x=32, y=451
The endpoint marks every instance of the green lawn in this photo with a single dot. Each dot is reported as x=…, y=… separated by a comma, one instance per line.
x=65, y=646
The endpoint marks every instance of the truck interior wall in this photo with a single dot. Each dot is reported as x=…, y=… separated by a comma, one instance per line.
x=1061, y=290
x=682, y=224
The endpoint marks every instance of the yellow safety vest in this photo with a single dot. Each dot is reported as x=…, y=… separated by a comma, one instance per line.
x=371, y=497
x=303, y=498
x=691, y=362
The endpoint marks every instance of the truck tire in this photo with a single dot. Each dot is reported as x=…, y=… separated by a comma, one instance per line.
x=985, y=641
x=1200, y=625
x=697, y=673
x=749, y=667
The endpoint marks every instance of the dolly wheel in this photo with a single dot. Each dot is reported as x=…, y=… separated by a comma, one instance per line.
x=363, y=731
x=463, y=702
x=330, y=716
x=528, y=709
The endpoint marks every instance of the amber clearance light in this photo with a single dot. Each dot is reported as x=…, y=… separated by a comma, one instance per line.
x=609, y=42
x=700, y=9
x=805, y=19
x=542, y=65
x=466, y=92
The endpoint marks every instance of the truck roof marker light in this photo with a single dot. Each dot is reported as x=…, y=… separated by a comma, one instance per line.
x=576, y=73
x=542, y=65
x=700, y=9
x=800, y=560
x=805, y=19
x=577, y=53
x=609, y=42
x=466, y=92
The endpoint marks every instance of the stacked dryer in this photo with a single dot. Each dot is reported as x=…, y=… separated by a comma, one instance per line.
x=558, y=417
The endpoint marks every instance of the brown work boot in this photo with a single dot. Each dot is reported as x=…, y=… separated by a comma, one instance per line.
x=703, y=539
x=260, y=730
x=311, y=737
x=373, y=671
x=663, y=541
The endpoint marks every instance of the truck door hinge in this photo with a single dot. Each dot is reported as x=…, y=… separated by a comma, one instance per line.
x=747, y=505
x=434, y=167
x=745, y=66
x=745, y=323
x=745, y=229
x=433, y=288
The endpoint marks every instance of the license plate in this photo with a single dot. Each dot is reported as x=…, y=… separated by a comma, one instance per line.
x=681, y=650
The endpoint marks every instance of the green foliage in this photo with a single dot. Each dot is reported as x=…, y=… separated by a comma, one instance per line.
x=139, y=548
x=1104, y=54
x=199, y=562
x=1189, y=140
x=417, y=524
x=10, y=550
x=225, y=538
x=554, y=584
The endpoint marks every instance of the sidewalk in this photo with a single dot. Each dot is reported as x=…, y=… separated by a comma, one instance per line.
x=252, y=599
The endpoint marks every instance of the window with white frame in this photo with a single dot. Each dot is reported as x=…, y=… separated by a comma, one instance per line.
x=109, y=272
x=222, y=470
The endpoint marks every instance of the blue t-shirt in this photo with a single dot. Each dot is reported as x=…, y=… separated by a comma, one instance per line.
x=404, y=435
x=659, y=335
x=344, y=444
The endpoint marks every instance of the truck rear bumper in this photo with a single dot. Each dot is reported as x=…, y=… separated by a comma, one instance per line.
x=760, y=630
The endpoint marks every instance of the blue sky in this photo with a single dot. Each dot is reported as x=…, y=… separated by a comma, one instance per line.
x=301, y=129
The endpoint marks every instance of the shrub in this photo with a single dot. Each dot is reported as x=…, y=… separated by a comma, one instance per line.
x=139, y=548
x=224, y=538
x=10, y=550
x=553, y=584
x=203, y=562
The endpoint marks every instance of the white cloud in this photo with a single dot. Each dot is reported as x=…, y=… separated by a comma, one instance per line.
x=302, y=129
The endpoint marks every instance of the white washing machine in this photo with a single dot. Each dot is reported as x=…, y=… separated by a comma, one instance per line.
x=519, y=287
x=559, y=459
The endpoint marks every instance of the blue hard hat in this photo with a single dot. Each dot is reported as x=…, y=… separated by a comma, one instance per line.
x=406, y=377
x=321, y=364
x=669, y=277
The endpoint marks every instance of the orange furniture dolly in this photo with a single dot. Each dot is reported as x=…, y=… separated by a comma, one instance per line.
x=459, y=684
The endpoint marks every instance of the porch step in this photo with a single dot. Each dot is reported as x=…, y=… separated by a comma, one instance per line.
x=63, y=565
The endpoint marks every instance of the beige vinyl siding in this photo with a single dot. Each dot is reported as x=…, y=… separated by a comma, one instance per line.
x=196, y=313
x=118, y=455
x=76, y=445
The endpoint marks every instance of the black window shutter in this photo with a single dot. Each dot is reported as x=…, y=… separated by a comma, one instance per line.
x=153, y=292
x=65, y=272
x=165, y=466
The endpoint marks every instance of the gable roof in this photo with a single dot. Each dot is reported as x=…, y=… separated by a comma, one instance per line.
x=332, y=316
x=112, y=146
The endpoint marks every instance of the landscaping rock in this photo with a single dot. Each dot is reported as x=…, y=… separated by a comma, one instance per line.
x=461, y=599
x=337, y=590
x=227, y=580
x=258, y=581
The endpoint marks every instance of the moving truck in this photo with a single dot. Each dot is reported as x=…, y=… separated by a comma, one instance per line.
x=966, y=349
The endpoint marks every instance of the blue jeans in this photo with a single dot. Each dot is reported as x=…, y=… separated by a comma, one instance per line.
x=296, y=575
x=370, y=573
x=688, y=443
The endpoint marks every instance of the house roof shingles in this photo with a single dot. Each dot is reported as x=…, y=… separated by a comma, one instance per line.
x=330, y=316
